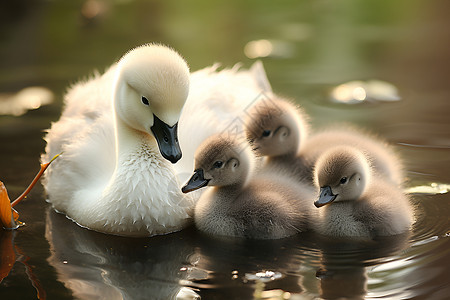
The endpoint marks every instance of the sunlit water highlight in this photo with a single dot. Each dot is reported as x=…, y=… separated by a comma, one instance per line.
x=26, y=99
x=359, y=91
x=429, y=189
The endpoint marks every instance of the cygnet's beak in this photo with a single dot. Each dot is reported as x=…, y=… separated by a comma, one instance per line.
x=326, y=196
x=196, y=182
x=167, y=138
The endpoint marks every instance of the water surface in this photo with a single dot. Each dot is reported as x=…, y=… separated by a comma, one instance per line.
x=308, y=49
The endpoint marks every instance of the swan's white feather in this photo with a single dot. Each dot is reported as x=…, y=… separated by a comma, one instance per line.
x=218, y=102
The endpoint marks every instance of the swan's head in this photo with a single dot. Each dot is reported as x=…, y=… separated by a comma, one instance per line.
x=220, y=161
x=342, y=174
x=275, y=127
x=152, y=85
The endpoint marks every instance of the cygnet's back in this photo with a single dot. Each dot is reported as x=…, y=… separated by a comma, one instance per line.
x=241, y=204
x=382, y=157
x=280, y=132
x=356, y=202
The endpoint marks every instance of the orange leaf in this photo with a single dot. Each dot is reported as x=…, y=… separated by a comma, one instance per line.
x=15, y=215
x=7, y=217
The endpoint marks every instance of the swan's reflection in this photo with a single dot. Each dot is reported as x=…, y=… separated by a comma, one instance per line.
x=93, y=265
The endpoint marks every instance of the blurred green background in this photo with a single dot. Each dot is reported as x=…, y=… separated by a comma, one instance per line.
x=56, y=42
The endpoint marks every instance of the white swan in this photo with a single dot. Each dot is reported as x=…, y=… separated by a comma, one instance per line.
x=242, y=203
x=111, y=176
x=356, y=201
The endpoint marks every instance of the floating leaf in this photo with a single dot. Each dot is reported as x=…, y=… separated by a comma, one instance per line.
x=8, y=216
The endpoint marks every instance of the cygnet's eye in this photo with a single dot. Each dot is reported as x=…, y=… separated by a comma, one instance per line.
x=145, y=100
x=343, y=180
x=266, y=133
x=218, y=164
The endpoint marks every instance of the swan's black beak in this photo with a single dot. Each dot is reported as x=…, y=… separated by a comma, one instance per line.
x=196, y=182
x=167, y=138
x=326, y=196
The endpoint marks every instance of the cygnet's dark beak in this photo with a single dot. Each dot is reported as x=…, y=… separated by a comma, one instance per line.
x=196, y=182
x=167, y=138
x=326, y=196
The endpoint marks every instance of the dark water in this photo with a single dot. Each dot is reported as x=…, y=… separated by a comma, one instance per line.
x=316, y=46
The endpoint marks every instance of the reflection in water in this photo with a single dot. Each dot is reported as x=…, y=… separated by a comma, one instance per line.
x=10, y=253
x=26, y=99
x=429, y=189
x=359, y=91
x=283, y=269
x=92, y=264
x=259, y=48
x=266, y=48
x=240, y=268
x=345, y=264
x=188, y=264
x=264, y=276
x=350, y=282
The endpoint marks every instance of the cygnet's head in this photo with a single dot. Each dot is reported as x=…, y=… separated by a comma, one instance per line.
x=152, y=84
x=220, y=161
x=275, y=127
x=342, y=174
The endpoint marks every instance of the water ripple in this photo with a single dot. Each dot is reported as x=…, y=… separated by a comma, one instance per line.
x=433, y=188
x=425, y=146
x=264, y=276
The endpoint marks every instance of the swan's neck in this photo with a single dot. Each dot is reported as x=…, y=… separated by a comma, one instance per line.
x=129, y=141
x=143, y=191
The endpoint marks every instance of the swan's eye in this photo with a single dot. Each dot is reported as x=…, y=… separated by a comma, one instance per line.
x=218, y=164
x=145, y=100
x=343, y=180
x=266, y=133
